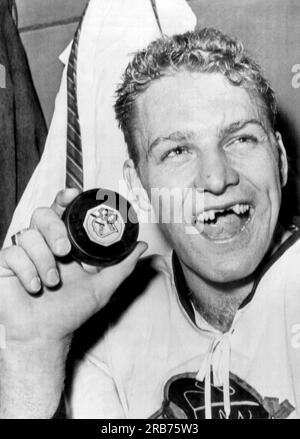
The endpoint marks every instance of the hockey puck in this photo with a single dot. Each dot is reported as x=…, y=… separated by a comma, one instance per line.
x=102, y=227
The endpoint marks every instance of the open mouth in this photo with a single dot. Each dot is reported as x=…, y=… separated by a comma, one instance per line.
x=224, y=224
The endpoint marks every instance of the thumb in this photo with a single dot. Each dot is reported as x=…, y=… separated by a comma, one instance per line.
x=109, y=279
x=63, y=199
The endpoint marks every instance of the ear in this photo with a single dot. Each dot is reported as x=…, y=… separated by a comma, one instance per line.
x=135, y=186
x=283, y=162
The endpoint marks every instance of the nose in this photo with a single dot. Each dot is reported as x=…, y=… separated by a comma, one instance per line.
x=216, y=174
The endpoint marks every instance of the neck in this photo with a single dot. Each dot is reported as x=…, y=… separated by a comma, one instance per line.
x=218, y=303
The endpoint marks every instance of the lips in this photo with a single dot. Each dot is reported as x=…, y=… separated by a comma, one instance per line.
x=224, y=222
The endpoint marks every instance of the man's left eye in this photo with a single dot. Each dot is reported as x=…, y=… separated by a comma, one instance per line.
x=245, y=139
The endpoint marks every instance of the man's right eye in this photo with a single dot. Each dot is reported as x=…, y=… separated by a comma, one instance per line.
x=176, y=152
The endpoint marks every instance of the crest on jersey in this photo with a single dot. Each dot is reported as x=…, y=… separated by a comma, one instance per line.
x=184, y=398
x=104, y=225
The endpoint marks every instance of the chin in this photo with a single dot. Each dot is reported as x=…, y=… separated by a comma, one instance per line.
x=228, y=271
x=229, y=276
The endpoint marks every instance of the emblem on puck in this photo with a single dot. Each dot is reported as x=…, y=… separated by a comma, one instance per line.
x=104, y=225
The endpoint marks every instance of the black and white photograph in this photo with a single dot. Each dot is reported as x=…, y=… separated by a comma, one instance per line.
x=150, y=212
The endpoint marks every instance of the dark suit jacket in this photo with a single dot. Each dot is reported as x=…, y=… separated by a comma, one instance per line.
x=22, y=125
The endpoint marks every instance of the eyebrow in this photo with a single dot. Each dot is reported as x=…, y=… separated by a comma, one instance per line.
x=179, y=136
x=239, y=125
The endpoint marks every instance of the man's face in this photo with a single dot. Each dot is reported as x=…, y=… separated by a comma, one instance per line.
x=198, y=131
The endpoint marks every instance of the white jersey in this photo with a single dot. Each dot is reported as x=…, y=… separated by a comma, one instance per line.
x=160, y=359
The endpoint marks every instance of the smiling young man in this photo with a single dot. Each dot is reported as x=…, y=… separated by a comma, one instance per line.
x=212, y=332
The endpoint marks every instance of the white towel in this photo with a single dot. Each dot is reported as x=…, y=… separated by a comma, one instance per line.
x=111, y=32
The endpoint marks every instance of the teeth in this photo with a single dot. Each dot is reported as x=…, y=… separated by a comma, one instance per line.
x=237, y=209
x=200, y=218
x=210, y=215
x=240, y=209
x=244, y=208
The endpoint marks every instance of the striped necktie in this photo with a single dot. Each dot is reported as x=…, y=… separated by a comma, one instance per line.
x=74, y=165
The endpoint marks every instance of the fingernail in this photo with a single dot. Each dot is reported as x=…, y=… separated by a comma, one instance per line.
x=62, y=247
x=144, y=248
x=52, y=277
x=35, y=284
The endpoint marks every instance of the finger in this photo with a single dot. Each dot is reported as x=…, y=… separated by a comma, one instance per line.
x=63, y=199
x=43, y=259
x=53, y=230
x=18, y=262
x=109, y=279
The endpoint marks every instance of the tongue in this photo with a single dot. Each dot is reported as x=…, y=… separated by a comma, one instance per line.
x=225, y=227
